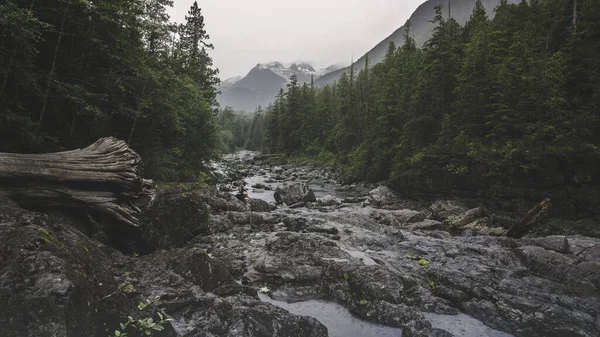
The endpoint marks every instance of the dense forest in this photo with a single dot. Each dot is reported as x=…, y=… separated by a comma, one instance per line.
x=518, y=94
x=72, y=71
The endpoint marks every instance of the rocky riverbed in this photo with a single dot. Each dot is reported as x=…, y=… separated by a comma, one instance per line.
x=353, y=260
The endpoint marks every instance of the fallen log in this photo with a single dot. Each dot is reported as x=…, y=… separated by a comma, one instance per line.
x=536, y=216
x=105, y=177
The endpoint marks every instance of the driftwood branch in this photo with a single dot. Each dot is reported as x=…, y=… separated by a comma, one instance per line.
x=536, y=216
x=104, y=177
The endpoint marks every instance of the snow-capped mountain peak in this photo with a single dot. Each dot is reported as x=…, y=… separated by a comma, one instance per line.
x=263, y=82
x=230, y=81
x=303, y=70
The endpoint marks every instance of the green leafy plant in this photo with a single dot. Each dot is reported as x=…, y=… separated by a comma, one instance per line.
x=127, y=287
x=146, y=326
x=424, y=263
x=363, y=302
x=432, y=284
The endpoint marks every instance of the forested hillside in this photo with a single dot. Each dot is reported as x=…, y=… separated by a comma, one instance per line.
x=72, y=71
x=514, y=96
x=421, y=29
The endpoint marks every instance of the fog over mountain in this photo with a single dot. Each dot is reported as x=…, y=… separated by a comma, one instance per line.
x=245, y=33
x=421, y=30
x=262, y=83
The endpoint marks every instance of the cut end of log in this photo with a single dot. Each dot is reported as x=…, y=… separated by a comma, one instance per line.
x=105, y=177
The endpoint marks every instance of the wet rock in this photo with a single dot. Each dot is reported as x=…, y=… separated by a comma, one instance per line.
x=557, y=226
x=172, y=221
x=469, y=217
x=329, y=200
x=398, y=217
x=220, y=202
x=200, y=295
x=383, y=196
x=54, y=278
x=426, y=224
x=393, y=262
x=295, y=193
x=444, y=209
x=354, y=200
x=258, y=205
x=322, y=229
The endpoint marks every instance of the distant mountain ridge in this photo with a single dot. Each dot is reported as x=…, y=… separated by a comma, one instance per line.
x=262, y=83
x=421, y=30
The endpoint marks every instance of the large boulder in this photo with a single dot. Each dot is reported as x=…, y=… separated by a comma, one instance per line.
x=382, y=196
x=258, y=205
x=329, y=200
x=172, y=221
x=294, y=193
x=55, y=280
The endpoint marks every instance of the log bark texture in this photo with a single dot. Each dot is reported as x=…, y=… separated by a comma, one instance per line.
x=536, y=216
x=105, y=177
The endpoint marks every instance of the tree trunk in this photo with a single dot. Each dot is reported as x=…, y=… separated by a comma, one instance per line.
x=51, y=73
x=575, y=16
x=8, y=69
x=137, y=114
x=103, y=177
x=73, y=123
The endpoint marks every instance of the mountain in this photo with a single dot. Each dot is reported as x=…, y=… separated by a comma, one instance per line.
x=262, y=83
x=228, y=83
x=421, y=30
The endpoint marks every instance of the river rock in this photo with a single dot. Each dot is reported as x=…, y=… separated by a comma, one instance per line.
x=174, y=219
x=329, y=200
x=469, y=217
x=56, y=281
x=258, y=205
x=444, y=209
x=295, y=193
x=54, y=278
x=382, y=196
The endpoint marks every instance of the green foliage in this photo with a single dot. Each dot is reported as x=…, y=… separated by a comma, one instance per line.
x=45, y=236
x=517, y=94
x=127, y=288
x=236, y=130
x=363, y=302
x=424, y=263
x=144, y=326
x=74, y=71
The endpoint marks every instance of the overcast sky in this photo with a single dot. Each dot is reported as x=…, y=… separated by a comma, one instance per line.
x=323, y=32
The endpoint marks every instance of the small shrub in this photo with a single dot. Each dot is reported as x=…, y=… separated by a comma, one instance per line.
x=145, y=326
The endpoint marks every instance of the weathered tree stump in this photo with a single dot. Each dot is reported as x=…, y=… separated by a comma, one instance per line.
x=536, y=216
x=103, y=177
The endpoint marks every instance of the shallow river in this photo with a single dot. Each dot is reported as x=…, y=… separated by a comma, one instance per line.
x=338, y=320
